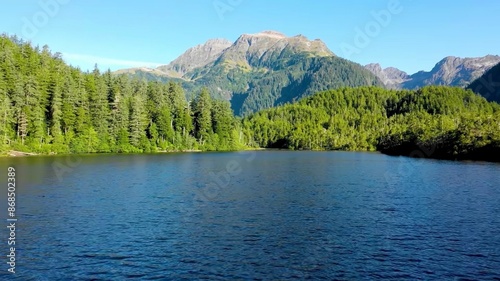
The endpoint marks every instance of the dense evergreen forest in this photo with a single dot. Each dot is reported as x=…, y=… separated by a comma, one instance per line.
x=263, y=85
x=286, y=80
x=49, y=107
x=434, y=122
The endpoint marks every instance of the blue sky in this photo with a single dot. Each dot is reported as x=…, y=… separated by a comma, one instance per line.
x=408, y=34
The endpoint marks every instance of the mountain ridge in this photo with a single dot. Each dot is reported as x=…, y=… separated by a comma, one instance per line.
x=250, y=43
x=197, y=56
x=390, y=76
x=268, y=68
x=450, y=71
x=488, y=85
x=261, y=70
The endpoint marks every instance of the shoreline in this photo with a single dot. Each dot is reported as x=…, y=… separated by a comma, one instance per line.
x=18, y=154
x=14, y=153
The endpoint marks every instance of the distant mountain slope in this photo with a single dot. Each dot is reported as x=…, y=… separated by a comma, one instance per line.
x=451, y=71
x=195, y=57
x=265, y=48
x=267, y=69
x=391, y=76
x=488, y=85
x=301, y=78
x=261, y=70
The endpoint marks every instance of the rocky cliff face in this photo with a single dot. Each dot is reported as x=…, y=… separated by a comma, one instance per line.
x=260, y=70
x=488, y=85
x=391, y=76
x=454, y=71
x=262, y=49
x=268, y=68
x=450, y=71
x=197, y=56
x=249, y=51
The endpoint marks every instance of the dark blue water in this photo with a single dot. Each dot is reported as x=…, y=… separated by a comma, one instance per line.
x=270, y=215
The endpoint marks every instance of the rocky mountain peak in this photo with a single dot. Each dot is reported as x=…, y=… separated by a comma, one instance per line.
x=374, y=67
x=264, y=36
x=217, y=41
x=258, y=49
x=452, y=71
x=390, y=76
x=263, y=47
x=488, y=85
x=197, y=56
x=460, y=71
x=270, y=33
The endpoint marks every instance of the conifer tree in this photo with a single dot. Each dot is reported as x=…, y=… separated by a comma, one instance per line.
x=202, y=112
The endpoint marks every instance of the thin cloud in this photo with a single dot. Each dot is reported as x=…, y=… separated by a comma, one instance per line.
x=89, y=60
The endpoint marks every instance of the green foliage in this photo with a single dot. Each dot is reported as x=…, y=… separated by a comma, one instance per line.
x=202, y=108
x=49, y=107
x=454, y=122
x=288, y=80
x=276, y=80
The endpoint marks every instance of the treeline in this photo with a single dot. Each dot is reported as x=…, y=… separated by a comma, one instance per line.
x=298, y=77
x=437, y=122
x=278, y=79
x=49, y=107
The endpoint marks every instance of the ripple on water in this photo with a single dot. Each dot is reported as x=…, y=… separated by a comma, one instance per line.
x=286, y=216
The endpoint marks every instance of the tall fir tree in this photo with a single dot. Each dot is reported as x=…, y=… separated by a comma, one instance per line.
x=202, y=111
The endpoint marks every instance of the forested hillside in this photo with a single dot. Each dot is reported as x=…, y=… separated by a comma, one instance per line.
x=253, y=89
x=260, y=71
x=290, y=80
x=49, y=107
x=436, y=121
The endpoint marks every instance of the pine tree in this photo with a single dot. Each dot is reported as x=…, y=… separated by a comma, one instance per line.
x=55, y=110
x=99, y=107
x=5, y=115
x=68, y=105
x=138, y=113
x=164, y=125
x=59, y=108
x=20, y=107
x=223, y=124
x=202, y=110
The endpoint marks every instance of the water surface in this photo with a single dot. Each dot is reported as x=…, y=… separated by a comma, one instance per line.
x=268, y=215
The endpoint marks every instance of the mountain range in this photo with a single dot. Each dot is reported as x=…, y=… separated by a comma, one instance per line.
x=488, y=85
x=267, y=69
x=260, y=70
x=450, y=71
